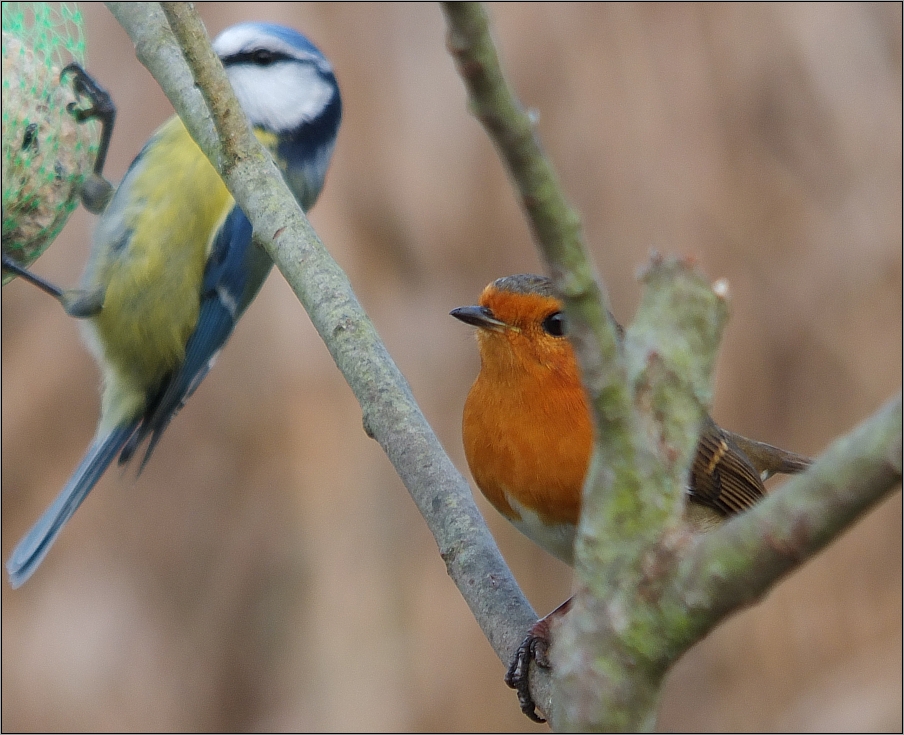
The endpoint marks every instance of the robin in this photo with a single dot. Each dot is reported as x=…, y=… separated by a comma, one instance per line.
x=528, y=436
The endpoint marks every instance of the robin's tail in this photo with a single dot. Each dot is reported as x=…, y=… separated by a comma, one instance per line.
x=769, y=460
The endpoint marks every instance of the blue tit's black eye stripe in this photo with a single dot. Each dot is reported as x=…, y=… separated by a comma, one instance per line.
x=257, y=57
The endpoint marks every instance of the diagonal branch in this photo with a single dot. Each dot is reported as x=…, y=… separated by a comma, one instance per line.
x=391, y=415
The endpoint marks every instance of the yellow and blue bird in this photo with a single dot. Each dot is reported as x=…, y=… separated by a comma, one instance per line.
x=173, y=266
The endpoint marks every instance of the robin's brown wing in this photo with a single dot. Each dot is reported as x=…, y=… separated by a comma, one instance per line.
x=722, y=477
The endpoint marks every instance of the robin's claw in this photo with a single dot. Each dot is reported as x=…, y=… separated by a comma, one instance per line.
x=534, y=648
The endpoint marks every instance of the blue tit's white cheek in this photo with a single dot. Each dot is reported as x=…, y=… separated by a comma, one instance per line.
x=282, y=96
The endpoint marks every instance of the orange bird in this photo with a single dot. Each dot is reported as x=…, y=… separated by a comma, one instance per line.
x=528, y=437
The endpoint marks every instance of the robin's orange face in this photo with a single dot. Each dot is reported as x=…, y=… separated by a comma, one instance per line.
x=531, y=337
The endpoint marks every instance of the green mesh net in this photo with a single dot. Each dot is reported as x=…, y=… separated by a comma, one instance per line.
x=46, y=153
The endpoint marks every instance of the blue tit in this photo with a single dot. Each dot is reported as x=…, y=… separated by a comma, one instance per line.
x=173, y=266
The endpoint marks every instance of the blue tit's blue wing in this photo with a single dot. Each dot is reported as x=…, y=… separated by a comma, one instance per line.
x=37, y=542
x=234, y=273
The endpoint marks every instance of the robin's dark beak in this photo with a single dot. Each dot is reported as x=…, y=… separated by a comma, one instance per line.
x=478, y=316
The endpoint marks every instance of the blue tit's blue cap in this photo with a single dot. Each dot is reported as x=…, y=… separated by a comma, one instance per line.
x=246, y=37
x=289, y=35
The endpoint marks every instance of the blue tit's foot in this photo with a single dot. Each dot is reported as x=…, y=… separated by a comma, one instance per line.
x=97, y=191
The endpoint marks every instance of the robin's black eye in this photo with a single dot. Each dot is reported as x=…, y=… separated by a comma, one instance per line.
x=263, y=57
x=554, y=324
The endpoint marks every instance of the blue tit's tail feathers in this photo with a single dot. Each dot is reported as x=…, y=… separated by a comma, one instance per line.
x=37, y=542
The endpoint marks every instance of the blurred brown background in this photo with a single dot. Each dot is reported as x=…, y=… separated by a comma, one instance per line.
x=268, y=571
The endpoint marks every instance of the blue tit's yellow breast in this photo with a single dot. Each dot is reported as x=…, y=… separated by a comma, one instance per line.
x=171, y=203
